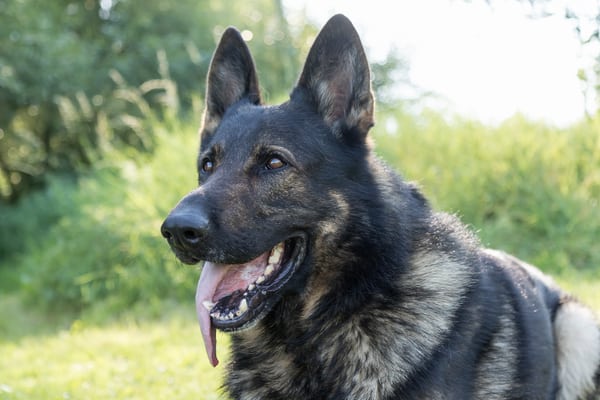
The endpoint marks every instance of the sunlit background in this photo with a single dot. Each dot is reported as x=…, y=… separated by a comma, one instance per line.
x=487, y=60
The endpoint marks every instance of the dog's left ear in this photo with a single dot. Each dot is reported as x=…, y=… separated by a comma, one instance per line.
x=337, y=78
x=231, y=78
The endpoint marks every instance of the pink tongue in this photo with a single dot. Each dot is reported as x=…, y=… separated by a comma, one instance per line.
x=217, y=281
x=209, y=278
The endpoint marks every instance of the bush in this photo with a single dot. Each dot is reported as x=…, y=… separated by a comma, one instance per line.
x=59, y=100
x=528, y=188
x=98, y=239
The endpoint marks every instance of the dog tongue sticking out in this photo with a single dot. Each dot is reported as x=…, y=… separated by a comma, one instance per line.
x=204, y=292
x=216, y=282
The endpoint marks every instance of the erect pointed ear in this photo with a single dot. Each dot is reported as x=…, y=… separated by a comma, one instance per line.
x=231, y=77
x=337, y=78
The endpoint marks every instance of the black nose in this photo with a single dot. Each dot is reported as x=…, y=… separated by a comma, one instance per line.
x=184, y=230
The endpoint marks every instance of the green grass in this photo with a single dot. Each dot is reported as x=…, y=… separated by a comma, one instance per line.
x=584, y=288
x=162, y=359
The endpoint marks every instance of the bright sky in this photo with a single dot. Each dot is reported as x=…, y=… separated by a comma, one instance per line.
x=490, y=62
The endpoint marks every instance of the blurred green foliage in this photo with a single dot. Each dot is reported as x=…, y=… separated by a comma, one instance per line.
x=96, y=239
x=68, y=70
x=528, y=188
x=64, y=64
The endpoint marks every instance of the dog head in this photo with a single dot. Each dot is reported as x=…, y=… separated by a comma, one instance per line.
x=260, y=206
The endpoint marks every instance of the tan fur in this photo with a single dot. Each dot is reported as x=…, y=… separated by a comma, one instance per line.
x=341, y=212
x=495, y=374
x=210, y=124
x=329, y=231
x=578, y=350
x=334, y=91
x=445, y=280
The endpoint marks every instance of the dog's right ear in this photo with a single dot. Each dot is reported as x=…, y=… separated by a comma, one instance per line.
x=231, y=77
x=336, y=78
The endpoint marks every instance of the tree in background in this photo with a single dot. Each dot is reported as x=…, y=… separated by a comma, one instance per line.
x=79, y=75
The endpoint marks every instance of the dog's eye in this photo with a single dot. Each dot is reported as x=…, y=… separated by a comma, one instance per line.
x=275, y=163
x=207, y=165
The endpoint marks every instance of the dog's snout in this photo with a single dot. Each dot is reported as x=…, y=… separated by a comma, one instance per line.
x=184, y=230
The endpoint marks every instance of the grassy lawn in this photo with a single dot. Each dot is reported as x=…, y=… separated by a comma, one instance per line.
x=126, y=360
x=586, y=289
x=161, y=359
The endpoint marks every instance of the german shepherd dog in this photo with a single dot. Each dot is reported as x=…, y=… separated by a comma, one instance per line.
x=335, y=277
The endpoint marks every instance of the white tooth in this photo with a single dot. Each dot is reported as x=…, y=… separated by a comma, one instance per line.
x=251, y=287
x=273, y=258
x=269, y=270
x=238, y=313
x=260, y=279
x=230, y=316
x=208, y=304
x=243, y=306
x=276, y=254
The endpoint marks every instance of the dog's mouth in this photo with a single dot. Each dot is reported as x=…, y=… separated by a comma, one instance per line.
x=233, y=297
